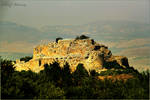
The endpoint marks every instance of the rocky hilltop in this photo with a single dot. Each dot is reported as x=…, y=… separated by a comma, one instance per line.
x=92, y=55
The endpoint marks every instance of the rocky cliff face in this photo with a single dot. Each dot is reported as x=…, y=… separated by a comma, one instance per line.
x=92, y=55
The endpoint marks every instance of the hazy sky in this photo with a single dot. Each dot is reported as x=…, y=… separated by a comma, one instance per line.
x=37, y=13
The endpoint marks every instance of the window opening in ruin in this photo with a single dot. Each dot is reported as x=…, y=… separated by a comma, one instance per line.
x=39, y=62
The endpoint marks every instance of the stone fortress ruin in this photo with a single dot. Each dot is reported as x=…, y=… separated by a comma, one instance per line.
x=91, y=54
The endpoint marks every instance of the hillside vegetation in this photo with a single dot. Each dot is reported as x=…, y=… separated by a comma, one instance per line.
x=55, y=82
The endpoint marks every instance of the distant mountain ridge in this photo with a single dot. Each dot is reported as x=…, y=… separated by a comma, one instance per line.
x=121, y=29
x=13, y=56
x=104, y=31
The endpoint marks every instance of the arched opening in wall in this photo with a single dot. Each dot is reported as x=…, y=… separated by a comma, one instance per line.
x=39, y=62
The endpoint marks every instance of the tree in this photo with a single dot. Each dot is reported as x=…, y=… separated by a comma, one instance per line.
x=26, y=58
x=57, y=39
x=6, y=68
x=66, y=76
x=81, y=37
x=79, y=74
x=48, y=90
x=53, y=72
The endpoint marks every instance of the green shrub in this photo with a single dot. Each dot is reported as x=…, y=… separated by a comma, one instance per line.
x=57, y=39
x=81, y=37
x=26, y=59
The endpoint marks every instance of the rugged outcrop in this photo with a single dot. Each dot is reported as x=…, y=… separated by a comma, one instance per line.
x=92, y=55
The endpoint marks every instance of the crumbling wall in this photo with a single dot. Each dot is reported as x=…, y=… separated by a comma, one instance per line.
x=91, y=55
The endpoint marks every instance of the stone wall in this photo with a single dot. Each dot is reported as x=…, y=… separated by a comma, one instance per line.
x=91, y=55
